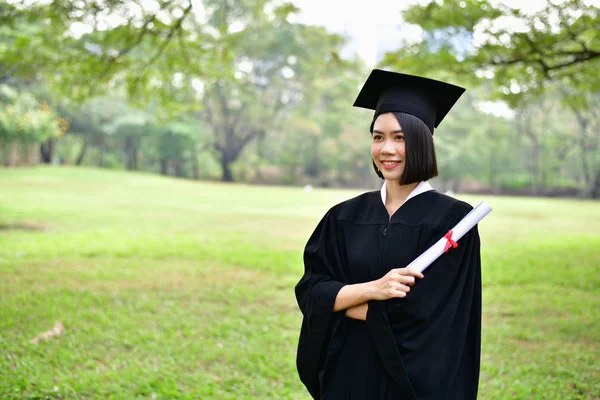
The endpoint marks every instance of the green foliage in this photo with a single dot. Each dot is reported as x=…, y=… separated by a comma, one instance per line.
x=178, y=290
x=235, y=89
x=448, y=14
x=129, y=46
x=523, y=59
x=521, y=52
x=173, y=138
x=241, y=61
x=276, y=65
x=134, y=123
x=23, y=119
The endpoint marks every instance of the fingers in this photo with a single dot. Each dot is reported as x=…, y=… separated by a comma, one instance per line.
x=404, y=279
x=398, y=282
x=408, y=272
x=396, y=290
x=398, y=287
x=403, y=288
x=407, y=280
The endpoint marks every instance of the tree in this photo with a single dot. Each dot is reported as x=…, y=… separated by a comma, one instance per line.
x=94, y=122
x=559, y=46
x=521, y=52
x=243, y=62
x=130, y=129
x=124, y=44
x=176, y=148
x=274, y=65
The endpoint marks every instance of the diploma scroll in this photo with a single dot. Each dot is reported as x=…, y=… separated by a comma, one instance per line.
x=441, y=246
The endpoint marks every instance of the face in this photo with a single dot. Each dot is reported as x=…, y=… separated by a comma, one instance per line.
x=387, y=146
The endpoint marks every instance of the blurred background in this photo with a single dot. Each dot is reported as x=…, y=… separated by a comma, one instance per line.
x=163, y=163
x=261, y=91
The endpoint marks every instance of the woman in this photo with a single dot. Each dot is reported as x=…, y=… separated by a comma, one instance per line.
x=371, y=328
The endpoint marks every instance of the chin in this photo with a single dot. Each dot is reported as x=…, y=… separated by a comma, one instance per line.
x=392, y=177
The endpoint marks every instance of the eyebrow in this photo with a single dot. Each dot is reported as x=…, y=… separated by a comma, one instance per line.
x=382, y=133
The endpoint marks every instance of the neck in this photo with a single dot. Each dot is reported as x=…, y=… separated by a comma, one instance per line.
x=397, y=193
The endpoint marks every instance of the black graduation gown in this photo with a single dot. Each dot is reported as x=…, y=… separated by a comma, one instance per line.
x=425, y=346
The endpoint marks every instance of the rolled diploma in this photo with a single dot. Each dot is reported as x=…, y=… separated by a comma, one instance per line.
x=467, y=223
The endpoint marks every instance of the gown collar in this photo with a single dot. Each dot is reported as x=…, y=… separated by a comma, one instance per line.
x=422, y=187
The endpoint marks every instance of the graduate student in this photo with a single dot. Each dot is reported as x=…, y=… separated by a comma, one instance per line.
x=372, y=329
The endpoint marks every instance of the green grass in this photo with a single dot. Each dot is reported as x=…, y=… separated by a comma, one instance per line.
x=171, y=289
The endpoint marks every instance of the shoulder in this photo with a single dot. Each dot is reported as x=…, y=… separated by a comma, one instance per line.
x=430, y=208
x=449, y=203
x=356, y=208
x=449, y=210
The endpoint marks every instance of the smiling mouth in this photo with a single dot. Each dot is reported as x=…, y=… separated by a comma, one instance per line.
x=390, y=164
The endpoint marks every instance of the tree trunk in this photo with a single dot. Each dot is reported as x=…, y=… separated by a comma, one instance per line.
x=164, y=166
x=47, y=150
x=535, y=157
x=101, y=161
x=227, y=176
x=131, y=154
x=82, y=153
x=178, y=167
x=126, y=147
x=313, y=169
x=195, y=165
x=592, y=181
x=228, y=155
x=14, y=153
x=535, y=152
x=595, y=187
x=492, y=172
x=134, y=156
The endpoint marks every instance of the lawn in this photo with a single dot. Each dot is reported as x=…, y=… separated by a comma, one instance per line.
x=173, y=289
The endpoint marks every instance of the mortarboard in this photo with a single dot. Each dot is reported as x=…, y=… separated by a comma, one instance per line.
x=427, y=99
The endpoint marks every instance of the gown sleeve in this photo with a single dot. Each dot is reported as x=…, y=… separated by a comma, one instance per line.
x=324, y=276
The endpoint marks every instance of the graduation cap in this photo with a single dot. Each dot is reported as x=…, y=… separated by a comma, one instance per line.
x=427, y=99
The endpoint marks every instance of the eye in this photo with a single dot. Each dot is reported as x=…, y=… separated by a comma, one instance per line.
x=377, y=137
x=399, y=137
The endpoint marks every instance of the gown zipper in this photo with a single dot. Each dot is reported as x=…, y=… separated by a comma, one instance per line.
x=385, y=230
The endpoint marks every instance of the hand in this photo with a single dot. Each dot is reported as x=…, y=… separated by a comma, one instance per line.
x=395, y=284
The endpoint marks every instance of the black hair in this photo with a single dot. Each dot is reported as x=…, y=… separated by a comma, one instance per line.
x=420, y=163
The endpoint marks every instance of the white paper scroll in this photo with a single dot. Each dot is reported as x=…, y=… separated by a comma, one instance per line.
x=467, y=223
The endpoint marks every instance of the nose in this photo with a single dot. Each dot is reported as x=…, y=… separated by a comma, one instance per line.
x=388, y=147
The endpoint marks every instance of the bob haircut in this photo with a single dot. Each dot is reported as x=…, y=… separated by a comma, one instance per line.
x=420, y=162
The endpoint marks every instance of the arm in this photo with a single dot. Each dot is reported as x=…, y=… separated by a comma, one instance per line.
x=353, y=295
x=354, y=298
x=394, y=284
x=358, y=312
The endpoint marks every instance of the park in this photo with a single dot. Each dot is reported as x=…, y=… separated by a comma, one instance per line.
x=162, y=167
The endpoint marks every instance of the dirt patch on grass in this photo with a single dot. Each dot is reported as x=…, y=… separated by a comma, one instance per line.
x=525, y=342
x=23, y=226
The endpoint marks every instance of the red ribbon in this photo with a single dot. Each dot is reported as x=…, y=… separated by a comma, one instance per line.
x=450, y=242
